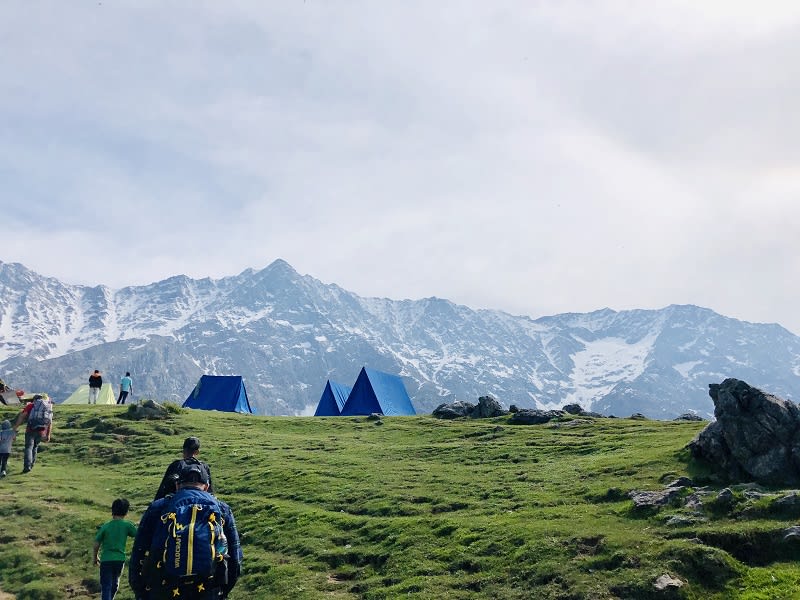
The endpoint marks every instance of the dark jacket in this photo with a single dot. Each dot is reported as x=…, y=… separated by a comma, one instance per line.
x=151, y=520
x=95, y=381
x=167, y=486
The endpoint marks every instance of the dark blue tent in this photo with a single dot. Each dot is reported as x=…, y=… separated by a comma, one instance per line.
x=378, y=392
x=332, y=400
x=219, y=392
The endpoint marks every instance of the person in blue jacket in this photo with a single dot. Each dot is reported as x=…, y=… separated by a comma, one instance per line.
x=192, y=485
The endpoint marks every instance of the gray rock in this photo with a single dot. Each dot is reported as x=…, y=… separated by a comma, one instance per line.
x=487, y=408
x=689, y=417
x=576, y=409
x=454, y=410
x=638, y=417
x=754, y=438
x=665, y=582
x=693, y=503
x=589, y=413
x=681, y=482
x=753, y=495
x=791, y=534
x=532, y=416
x=725, y=497
x=741, y=487
x=789, y=502
x=682, y=521
x=147, y=409
x=645, y=499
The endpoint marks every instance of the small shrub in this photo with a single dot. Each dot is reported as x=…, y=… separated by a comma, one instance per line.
x=173, y=408
x=39, y=590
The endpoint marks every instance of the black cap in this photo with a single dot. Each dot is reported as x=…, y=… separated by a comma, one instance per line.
x=192, y=474
x=191, y=444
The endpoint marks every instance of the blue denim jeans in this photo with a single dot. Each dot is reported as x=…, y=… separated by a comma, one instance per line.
x=32, y=440
x=110, y=572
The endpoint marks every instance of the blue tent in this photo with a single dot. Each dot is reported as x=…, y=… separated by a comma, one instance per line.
x=219, y=392
x=333, y=398
x=378, y=392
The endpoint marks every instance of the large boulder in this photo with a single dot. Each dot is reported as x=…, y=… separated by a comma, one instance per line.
x=454, y=410
x=754, y=437
x=487, y=407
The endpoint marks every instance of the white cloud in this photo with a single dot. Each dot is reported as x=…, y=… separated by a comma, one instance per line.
x=537, y=158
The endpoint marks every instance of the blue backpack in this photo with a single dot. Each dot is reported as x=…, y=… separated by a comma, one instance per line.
x=189, y=548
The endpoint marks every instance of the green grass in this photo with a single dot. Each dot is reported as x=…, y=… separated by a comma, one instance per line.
x=409, y=507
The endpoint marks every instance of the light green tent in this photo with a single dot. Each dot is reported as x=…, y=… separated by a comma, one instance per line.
x=81, y=395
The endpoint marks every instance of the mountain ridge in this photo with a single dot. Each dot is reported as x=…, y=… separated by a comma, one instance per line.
x=287, y=333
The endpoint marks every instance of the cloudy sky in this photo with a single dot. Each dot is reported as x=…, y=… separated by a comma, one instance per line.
x=533, y=157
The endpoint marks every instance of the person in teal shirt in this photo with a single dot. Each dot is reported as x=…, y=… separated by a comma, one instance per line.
x=125, y=387
x=109, y=547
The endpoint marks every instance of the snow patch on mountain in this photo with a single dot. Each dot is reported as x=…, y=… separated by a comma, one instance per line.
x=686, y=367
x=602, y=364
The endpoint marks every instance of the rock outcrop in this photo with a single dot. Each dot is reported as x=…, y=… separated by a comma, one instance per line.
x=577, y=410
x=147, y=409
x=532, y=416
x=755, y=436
x=453, y=410
x=486, y=408
x=689, y=417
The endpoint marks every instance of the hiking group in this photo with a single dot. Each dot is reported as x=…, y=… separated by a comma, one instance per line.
x=37, y=414
x=96, y=385
x=186, y=546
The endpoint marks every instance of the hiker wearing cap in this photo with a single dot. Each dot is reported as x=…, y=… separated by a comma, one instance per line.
x=39, y=417
x=187, y=546
x=191, y=448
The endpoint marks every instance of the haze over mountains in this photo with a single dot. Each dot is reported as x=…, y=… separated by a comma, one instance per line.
x=286, y=334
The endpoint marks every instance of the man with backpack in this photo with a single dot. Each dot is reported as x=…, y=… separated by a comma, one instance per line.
x=38, y=414
x=191, y=448
x=187, y=546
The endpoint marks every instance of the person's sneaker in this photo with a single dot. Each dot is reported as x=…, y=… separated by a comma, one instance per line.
x=2, y=473
x=26, y=470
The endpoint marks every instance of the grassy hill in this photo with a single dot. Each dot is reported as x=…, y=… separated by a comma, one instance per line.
x=409, y=507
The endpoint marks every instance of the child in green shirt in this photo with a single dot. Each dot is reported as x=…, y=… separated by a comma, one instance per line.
x=111, y=537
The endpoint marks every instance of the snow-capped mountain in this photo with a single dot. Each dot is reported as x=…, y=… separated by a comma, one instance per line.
x=286, y=334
